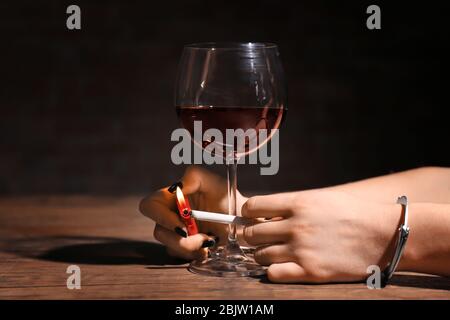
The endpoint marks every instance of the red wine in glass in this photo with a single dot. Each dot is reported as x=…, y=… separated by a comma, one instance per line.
x=223, y=118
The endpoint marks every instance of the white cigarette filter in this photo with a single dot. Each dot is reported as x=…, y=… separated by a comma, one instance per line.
x=220, y=218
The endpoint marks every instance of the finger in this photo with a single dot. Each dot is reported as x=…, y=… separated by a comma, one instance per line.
x=158, y=208
x=200, y=254
x=268, y=255
x=274, y=205
x=267, y=232
x=187, y=248
x=287, y=272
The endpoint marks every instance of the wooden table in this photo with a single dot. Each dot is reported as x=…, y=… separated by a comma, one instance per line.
x=112, y=244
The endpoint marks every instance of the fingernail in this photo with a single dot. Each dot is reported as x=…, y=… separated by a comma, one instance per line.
x=180, y=232
x=208, y=243
x=174, y=186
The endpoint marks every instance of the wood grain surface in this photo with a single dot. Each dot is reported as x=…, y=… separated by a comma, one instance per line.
x=112, y=243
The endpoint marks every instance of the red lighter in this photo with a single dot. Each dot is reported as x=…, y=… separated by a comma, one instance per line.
x=185, y=212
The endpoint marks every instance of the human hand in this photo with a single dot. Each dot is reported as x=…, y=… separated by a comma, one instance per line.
x=206, y=191
x=322, y=236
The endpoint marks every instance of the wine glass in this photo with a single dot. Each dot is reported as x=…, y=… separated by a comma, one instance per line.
x=230, y=86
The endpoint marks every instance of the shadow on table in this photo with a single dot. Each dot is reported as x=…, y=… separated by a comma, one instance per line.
x=420, y=281
x=403, y=280
x=93, y=250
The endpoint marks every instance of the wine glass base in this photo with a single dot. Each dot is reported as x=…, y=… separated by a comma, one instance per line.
x=220, y=264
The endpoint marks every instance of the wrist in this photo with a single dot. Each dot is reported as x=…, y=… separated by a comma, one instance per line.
x=415, y=250
x=394, y=220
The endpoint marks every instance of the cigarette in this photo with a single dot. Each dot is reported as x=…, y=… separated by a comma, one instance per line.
x=220, y=218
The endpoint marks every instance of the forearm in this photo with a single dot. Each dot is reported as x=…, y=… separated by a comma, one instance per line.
x=428, y=184
x=428, y=247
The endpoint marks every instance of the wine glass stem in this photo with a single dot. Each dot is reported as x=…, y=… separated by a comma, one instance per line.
x=232, y=186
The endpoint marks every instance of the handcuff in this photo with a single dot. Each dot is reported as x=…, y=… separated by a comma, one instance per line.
x=403, y=233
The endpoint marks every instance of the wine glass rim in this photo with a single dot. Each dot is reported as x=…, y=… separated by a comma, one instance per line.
x=231, y=45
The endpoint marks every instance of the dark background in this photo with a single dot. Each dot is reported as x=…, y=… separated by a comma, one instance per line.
x=91, y=111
